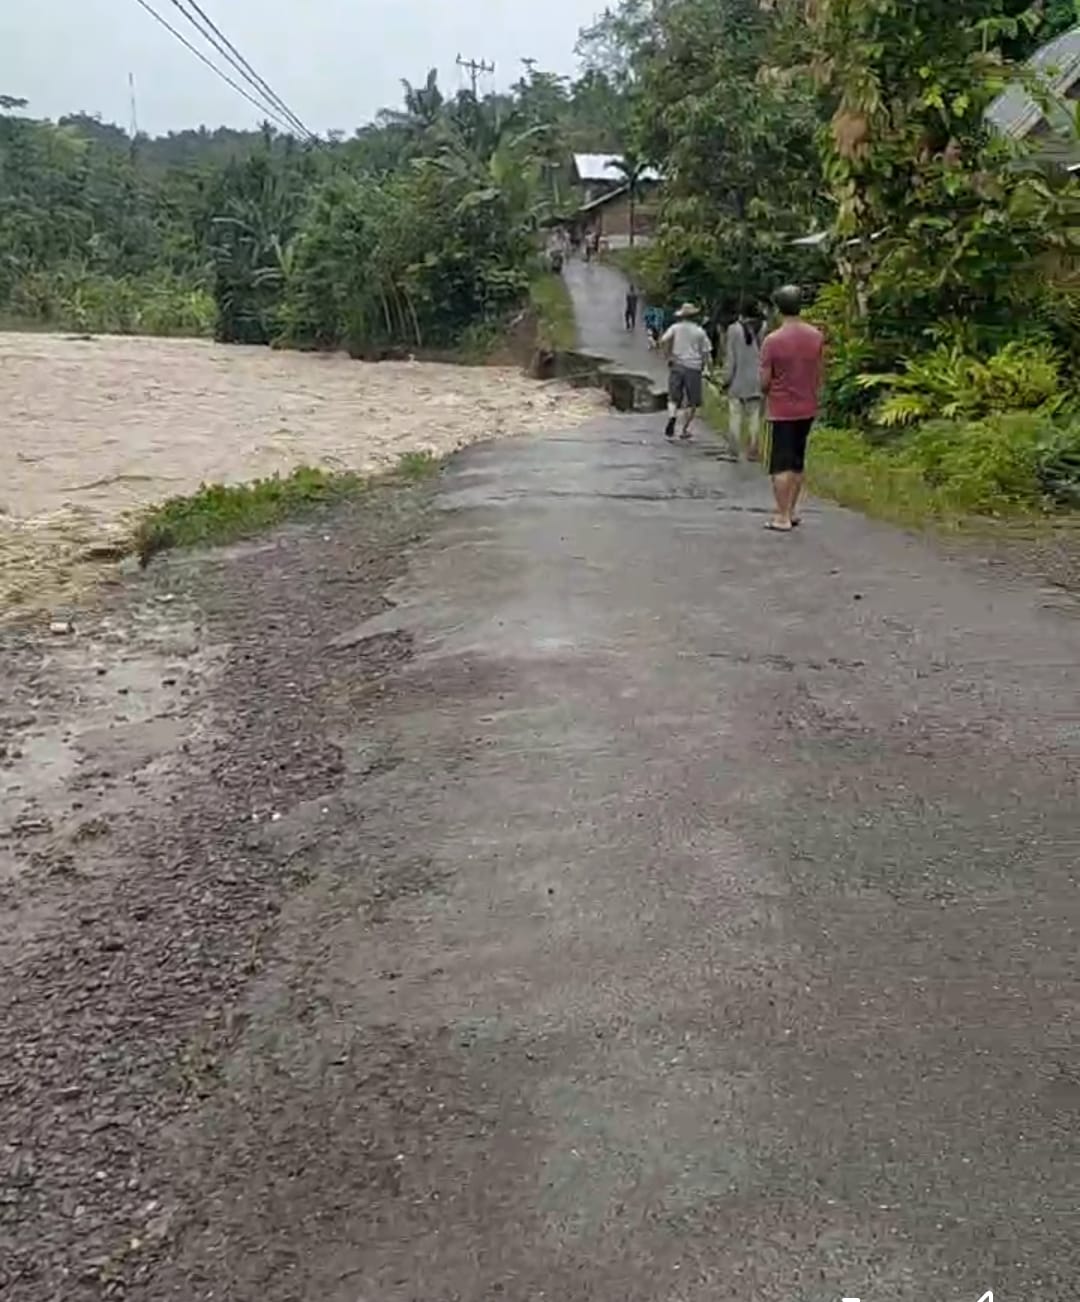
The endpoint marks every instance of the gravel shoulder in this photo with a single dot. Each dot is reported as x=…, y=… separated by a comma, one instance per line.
x=143, y=864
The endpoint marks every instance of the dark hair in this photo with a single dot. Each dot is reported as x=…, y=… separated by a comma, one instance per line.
x=788, y=300
x=751, y=325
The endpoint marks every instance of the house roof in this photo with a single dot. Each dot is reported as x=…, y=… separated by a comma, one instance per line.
x=1014, y=112
x=604, y=167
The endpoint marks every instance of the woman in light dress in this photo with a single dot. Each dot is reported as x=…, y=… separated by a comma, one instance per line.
x=742, y=380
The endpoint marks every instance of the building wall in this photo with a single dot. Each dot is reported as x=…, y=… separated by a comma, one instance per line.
x=613, y=219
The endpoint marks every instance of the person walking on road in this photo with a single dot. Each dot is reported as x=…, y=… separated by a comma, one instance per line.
x=632, y=299
x=792, y=371
x=654, y=325
x=742, y=380
x=689, y=352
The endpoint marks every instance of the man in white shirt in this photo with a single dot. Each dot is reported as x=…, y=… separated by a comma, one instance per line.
x=689, y=351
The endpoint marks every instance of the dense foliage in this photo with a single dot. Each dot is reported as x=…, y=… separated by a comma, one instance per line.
x=735, y=139
x=419, y=232
x=948, y=263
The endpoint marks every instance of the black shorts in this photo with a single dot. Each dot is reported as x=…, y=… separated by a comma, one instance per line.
x=684, y=386
x=789, y=446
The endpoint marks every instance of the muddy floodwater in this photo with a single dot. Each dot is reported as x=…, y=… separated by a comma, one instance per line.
x=94, y=429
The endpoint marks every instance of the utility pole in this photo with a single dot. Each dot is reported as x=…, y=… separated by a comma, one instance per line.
x=474, y=70
x=134, y=113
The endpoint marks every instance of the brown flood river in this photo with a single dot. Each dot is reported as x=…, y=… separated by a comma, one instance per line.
x=95, y=429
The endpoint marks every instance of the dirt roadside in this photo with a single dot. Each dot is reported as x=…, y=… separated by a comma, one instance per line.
x=145, y=767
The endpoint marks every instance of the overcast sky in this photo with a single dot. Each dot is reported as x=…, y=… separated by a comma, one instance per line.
x=334, y=62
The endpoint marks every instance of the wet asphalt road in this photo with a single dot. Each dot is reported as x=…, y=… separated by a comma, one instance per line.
x=599, y=295
x=760, y=917
x=695, y=918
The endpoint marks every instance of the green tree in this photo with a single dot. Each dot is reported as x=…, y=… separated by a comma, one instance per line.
x=412, y=260
x=420, y=227
x=734, y=141
x=252, y=214
x=424, y=106
x=929, y=206
x=1044, y=20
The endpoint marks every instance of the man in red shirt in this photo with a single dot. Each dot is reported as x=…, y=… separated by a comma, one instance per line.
x=792, y=371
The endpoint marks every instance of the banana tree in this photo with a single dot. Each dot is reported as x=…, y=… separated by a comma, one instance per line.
x=258, y=214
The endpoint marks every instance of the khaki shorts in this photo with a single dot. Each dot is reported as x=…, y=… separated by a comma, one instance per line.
x=684, y=386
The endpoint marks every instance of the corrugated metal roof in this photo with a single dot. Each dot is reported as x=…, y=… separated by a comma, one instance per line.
x=604, y=167
x=1014, y=112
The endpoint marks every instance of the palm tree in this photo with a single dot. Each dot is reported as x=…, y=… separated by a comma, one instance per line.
x=631, y=166
x=510, y=166
x=423, y=106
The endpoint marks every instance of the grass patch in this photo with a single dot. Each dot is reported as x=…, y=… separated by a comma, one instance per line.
x=224, y=513
x=415, y=466
x=555, y=325
x=637, y=266
x=1014, y=465
x=842, y=466
x=1011, y=467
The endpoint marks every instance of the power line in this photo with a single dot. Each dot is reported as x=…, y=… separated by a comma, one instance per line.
x=212, y=66
x=272, y=95
x=217, y=38
x=259, y=88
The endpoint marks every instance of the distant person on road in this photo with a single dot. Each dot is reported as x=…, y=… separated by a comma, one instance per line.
x=792, y=372
x=689, y=352
x=742, y=380
x=654, y=325
x=632, y=298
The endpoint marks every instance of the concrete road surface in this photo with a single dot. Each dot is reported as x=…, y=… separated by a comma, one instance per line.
x=741, y=956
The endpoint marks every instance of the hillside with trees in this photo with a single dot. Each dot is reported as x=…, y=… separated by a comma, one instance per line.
x=419, y=231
